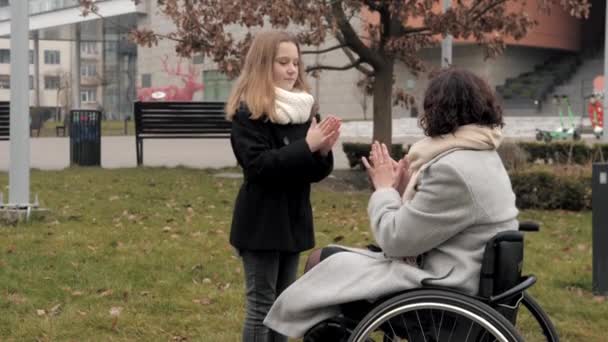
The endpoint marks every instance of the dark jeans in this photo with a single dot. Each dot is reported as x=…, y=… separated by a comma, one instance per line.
x=267, y=274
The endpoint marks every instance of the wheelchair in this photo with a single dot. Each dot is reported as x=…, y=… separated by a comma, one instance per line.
x=432, y=314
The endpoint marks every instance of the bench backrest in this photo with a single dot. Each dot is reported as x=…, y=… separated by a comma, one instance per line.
x=5, y=121
x=180, y=120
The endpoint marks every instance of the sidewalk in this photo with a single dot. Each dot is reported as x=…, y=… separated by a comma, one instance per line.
x=119, y=152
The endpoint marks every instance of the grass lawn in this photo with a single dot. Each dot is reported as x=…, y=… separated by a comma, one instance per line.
x=143, y=255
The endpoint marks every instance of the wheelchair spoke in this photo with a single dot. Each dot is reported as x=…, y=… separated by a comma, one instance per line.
x=421, y=327
x=407, y=331
x=433, y=323
x=453, y=328
x=469, y=332
x=440, y=324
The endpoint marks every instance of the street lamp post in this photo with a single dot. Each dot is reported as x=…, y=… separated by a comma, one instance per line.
x=19, y=172
x=446, y=43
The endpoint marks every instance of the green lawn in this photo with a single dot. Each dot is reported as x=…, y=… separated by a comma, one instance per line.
x=143, y=255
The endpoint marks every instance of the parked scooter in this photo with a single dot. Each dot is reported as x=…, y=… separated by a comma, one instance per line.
x=564, y=131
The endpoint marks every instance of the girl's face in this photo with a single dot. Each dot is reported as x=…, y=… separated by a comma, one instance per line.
x=285, y=66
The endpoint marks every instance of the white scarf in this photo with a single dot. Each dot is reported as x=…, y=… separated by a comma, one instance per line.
x=467, y=137
x=292, y=107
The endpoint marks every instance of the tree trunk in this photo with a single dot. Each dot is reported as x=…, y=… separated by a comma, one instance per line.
x=383, y=104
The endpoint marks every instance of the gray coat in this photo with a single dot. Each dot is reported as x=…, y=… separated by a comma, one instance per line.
x=464, y=198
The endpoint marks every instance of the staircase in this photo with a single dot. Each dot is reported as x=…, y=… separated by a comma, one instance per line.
x=526, y=93
x=578, y=88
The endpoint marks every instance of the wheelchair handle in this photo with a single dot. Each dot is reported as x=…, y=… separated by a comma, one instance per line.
x=528, y=226
x=519, y=288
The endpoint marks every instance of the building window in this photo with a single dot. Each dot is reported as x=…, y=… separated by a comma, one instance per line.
x=51, y=82
x=52, y=57
x=5, y=56
x=198, y=59
x=88, y=95
x=4, y=3
x=31, y=56
x=88, y=48
x=146, y=80
x=5, y=81
x=31, y=82
x=217, y=85
x=88, y=69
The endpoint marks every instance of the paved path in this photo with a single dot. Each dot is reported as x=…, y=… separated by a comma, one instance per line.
x=119, y=152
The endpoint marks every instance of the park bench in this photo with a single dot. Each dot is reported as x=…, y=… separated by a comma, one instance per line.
x=178, y=120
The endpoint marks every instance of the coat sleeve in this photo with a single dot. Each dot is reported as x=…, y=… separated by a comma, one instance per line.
x=323, y=166
x=442, y=207
x=253, y=150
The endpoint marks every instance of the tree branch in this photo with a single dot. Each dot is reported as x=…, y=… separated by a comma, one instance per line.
x=329, y=67
x=488, y=8
x=351, y=57
x=318, y=52
x=352, y=40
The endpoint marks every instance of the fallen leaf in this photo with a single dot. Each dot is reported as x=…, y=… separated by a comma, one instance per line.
x=40, y=312
x=113, y=198
x=104, y=292
x=55, y=310
x=115, y=311
x=166, y=229
x=77, y=293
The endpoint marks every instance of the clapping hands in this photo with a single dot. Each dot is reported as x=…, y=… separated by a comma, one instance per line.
x=384, y=171
x=323, y=136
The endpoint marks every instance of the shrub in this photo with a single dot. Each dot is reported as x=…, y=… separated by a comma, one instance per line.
x=354, y=152
x=562, y=152
x=552, y=188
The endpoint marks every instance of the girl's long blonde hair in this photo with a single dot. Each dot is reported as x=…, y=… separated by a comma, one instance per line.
x=255, y=86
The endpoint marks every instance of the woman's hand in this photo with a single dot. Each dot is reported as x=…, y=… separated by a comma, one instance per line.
x=381, y=171
x=331, y=127
x=402, y=177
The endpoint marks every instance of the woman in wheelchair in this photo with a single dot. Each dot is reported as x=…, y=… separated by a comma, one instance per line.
x=431, y=214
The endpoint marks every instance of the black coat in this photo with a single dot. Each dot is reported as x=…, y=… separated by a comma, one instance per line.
x=272, y=209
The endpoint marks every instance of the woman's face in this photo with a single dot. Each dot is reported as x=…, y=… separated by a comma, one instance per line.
x=285, y=66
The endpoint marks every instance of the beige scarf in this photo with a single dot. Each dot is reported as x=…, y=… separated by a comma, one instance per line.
x=467, y=137
x=292, y=107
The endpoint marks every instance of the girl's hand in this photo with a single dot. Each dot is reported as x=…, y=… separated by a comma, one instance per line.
x=315, y=138
x=403, y=176
x=381, y=171
x=331, y=127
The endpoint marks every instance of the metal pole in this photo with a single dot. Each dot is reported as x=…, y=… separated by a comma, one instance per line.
x=19, y=172
x=599, y=198
x=446, y=43
x=76, y=68
x=605, y=135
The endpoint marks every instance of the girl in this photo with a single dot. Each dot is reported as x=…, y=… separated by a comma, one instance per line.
x=281, y=151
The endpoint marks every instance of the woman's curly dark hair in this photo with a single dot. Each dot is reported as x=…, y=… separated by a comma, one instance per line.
x=457, y=97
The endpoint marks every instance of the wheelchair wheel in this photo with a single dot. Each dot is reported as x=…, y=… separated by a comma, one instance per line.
x=538, y=327
x=434, y=316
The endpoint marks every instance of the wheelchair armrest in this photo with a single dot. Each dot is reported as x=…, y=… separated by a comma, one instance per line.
x=519, y=288
x=529, y=226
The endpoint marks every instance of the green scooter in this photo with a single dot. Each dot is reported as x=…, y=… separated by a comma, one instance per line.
x=562, y=132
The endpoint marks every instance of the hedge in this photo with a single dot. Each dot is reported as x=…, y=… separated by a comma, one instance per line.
x=354, y=152
x=547, y=189
x=562, y=152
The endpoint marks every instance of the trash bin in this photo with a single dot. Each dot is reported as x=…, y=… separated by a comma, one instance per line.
x=85, y=137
